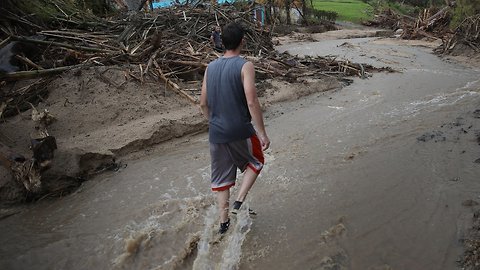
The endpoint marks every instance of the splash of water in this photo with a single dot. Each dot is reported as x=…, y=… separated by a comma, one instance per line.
x=232, y=243
x=202, y=262
x=232, y=253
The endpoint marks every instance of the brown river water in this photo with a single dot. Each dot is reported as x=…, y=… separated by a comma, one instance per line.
x=372, y=176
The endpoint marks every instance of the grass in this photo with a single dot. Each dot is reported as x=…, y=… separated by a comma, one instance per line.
x=348, y=10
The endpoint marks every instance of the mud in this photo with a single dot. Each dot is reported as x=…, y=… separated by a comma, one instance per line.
x=347, y=184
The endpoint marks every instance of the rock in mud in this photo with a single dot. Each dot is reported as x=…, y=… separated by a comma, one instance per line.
x=476, y=113
x=437, y=136
x=471, y=256
x=469, y=203
x=338, y=261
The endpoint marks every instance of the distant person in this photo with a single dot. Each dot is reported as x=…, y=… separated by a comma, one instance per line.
x=229, y=101
x=216, y=39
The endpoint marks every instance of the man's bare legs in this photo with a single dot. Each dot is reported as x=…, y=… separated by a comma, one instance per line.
x=223, y=198
x=249, y=178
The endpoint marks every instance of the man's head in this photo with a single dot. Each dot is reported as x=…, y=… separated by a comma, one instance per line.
x=232, y=36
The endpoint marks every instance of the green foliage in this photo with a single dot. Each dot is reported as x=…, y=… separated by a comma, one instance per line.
x=347, y=10
x=464, y=9
x=322, y=15
x=398, y=6
x=403, y=8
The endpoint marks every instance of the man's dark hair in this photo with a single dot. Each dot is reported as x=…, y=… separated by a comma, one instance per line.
x=232, y=35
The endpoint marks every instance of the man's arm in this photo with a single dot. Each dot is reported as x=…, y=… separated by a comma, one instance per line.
x=203, y=96
x=248, y=78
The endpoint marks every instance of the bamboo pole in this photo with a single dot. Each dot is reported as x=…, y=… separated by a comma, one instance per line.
x=187, y=63
x=36, y=73
x=5, y=41
x=173, y=85
x=64, y=45
x=28, y=61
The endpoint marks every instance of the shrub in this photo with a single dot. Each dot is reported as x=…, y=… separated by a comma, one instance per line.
x=464, y=9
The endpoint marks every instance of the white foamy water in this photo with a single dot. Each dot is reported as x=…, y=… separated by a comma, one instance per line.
x=228, y=245
x=166, y=238
x=432, y=102
x=232, y=253
x=203, y=262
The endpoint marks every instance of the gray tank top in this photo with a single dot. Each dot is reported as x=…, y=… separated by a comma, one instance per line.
x=230, y=119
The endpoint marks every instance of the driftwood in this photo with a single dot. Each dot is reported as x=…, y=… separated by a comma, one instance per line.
x=467, y=33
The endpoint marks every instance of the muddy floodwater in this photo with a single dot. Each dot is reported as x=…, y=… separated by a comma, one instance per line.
x=378, y=175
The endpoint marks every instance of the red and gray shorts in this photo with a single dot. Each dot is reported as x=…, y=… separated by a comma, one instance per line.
x=228, y=157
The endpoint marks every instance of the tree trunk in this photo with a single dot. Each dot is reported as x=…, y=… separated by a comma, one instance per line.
x=305, y=11
x=268, y=12
x=288, y=4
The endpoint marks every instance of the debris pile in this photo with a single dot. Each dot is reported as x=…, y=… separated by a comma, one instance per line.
x=388, y=19
x=431, y=23
x=293, y=68
x=169, y=44
x=467, y=33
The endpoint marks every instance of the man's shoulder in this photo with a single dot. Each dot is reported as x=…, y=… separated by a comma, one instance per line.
x=237, y=60
x=212, y=63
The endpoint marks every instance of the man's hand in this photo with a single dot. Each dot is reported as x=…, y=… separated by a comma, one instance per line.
x=264, y=141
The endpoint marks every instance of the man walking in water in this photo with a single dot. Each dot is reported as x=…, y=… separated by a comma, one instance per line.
x=229, y=101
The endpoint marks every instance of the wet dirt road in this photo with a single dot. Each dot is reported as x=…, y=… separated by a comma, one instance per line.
x=376, y=175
